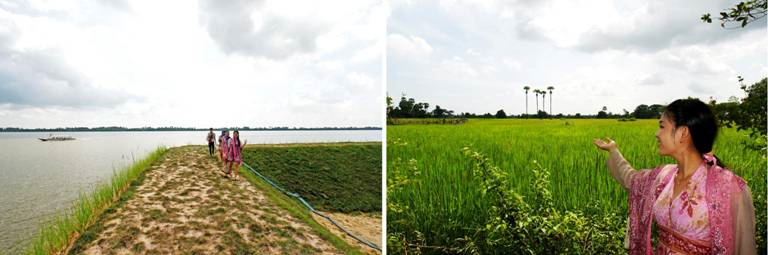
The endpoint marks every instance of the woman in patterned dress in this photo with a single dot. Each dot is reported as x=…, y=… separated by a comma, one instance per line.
x=698, y=205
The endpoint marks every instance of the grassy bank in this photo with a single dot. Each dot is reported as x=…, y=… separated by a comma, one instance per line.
x=57, y=234
x=334, y=177
x=297, y=210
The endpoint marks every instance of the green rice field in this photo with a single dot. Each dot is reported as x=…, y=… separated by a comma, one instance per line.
x=438, y=201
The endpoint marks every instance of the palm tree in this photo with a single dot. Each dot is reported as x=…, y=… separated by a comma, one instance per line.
x=550, y=88
x=537, y=92
x=526, y=88
x=543, y=103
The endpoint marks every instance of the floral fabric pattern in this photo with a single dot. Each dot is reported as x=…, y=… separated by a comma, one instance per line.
x=682, y=221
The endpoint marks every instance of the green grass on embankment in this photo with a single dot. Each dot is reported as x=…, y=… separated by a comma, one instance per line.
x=297, y=210
x=342, y=177
x=58, y=233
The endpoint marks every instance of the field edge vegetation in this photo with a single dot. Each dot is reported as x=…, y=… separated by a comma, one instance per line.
x=58, y=234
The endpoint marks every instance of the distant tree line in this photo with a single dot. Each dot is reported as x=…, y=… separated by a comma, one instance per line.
x=115, y=128
x=409, y=108
x=748, y=113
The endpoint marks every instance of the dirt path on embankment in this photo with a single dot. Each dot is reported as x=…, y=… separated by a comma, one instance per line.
x=185, y=206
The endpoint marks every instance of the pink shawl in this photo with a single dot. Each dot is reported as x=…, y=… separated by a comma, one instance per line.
x=645, y=189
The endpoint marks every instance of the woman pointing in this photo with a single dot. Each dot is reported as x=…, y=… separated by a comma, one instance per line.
x=697, y=205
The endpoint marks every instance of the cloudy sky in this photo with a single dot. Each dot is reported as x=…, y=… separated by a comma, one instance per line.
x=476, y=56
x=191, y=63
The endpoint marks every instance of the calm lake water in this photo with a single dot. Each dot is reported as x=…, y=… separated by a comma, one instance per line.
x=39, y=179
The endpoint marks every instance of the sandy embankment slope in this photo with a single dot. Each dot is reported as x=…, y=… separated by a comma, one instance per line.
x=184, y=205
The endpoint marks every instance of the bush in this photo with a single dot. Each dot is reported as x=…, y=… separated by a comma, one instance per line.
x=535, y=226
x=515, y=225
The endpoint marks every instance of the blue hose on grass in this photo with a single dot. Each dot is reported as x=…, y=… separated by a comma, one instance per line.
x=312, y=209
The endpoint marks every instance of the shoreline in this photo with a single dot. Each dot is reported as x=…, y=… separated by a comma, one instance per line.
x=59, y=231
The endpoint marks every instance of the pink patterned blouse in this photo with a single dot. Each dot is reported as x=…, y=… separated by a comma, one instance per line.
x=681, y=221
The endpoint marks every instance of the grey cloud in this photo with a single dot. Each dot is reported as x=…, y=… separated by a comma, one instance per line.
x=230, y=25
x=651, y=80
x=41, y=78
x=528, y=32
x=665, y=25
x=669, y=26
x=699, y=88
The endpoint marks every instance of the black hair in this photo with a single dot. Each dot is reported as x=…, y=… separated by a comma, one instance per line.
x=238, y=138
x=701, y=123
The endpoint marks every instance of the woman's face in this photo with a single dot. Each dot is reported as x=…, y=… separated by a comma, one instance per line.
x=668, y=136
x=236, y=134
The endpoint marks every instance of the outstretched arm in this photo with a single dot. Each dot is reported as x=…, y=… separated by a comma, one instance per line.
x=617, y=165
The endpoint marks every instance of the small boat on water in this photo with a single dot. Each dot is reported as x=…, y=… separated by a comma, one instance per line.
x=56, y=138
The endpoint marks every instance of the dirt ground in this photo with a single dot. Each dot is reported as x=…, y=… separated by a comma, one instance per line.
x=185, y=205
x=366, y=226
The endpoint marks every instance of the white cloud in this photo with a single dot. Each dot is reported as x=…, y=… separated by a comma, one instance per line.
x=410, y=46
x=173, y=63
x=457, y=65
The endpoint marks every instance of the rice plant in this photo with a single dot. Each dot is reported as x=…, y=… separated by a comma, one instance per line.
x=439, y=203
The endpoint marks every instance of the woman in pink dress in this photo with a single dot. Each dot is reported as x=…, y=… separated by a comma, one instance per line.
x=234, y=156
x=698, y=206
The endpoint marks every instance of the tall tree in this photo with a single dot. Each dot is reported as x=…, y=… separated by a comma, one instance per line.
x=602, y=114
x=550, y=88
x=751, y=115
x=438, y=112
x=406, y=106
x=543, y=100
x=526, y=88
x=536, y=93
x=501, y=114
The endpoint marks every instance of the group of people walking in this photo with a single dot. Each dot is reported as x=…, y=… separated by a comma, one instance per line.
x=230, y=151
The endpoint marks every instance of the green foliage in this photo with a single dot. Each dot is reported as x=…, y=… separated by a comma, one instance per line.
x=518, y=226
x=441, y=204
x=514, y=225
x=753, y=109
x=409, y=108
x=749, y=114
x=648, y=112
x=742, y=13
x=500, y=114
x=297, y=210
x=341, y=177
x=602, y=115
